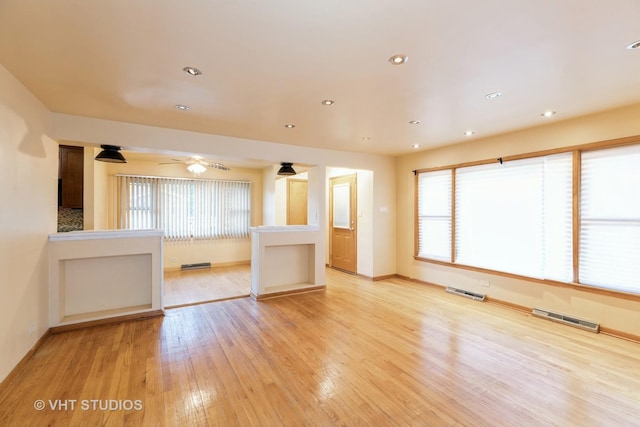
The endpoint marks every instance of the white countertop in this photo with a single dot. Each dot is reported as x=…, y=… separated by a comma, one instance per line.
x=284, y=228
x=104, y=234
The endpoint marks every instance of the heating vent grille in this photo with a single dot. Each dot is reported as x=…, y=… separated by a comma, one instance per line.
x=465, y=293
x=196, y=266
x=567, y=320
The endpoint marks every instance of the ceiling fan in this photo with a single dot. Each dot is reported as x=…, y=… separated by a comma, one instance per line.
x=197, y=164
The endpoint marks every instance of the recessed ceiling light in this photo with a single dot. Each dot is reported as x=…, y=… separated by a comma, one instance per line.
x=327, y=102
x=415, y=146
x=469, y=133
x=192, y=71
x=398, y=59
x=548, y=113
x=634, y=45
x=182, y=107
x=414, y=122
x=493, y=95
x=289, y=126
x=366, y=138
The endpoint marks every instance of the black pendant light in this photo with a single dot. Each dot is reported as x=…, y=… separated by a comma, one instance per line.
x=286, y=169
x=111, y=154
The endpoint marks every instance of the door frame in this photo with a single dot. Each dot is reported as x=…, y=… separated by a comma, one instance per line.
x=354, y=216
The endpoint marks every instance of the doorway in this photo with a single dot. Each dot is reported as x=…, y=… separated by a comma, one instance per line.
x=342, y=223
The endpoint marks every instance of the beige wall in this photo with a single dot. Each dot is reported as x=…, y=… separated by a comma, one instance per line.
x=381, y=258
x=222, y=251
x=28, y=194
x=612, y=312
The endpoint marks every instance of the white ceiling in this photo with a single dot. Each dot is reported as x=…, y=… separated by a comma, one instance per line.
x=268, y=63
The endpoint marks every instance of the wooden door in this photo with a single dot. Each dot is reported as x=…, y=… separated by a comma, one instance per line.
x=296, y=202
x=343, y=226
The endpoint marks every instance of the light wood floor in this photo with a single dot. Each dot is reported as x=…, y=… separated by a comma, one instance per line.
x=213, y=284
x=373, y=354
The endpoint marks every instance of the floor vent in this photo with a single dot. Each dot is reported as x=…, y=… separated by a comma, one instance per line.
x=567, y=320
x=196, y=266
x=466, y=294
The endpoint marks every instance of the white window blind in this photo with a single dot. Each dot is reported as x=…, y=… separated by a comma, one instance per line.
x=610, y=219
x=185, y=208
x=516, y=217
x=434, y=215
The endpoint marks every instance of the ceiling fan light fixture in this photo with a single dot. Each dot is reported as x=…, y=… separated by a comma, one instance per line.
x=286, y=169
x=110, y=154
x=196, y=168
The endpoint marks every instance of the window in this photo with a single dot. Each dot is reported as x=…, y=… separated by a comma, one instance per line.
x=610, y=219
x=518, y=217
x=185, y=208
x=434, y=215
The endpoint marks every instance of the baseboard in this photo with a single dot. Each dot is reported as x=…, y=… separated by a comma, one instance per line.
x=620, y=334
x=116, y=319
x=378, y=278
x=213, y=265
x=527, y=310
x=385, y=277
x=508, y=304
x=421, y=282
x=190, y=304
x=288, y=293
x=16, y=370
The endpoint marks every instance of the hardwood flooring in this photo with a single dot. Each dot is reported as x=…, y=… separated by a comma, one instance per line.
x=386, y=353
x=190, y=287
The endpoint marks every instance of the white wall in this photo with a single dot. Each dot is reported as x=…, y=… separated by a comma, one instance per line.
x=28, y=213
x=616, y=313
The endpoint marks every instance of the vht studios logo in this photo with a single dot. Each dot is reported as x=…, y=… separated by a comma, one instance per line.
x=88, y=405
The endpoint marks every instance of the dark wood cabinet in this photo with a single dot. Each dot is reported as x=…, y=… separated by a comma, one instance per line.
x=71, y=176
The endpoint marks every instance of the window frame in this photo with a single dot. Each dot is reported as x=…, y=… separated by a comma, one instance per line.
x=576, y=151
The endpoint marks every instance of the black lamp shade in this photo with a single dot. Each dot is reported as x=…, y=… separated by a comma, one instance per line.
x=286, y=169
x=111, y=154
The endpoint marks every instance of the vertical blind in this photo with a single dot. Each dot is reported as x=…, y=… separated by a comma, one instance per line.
x=185, y=208
x=610, y=219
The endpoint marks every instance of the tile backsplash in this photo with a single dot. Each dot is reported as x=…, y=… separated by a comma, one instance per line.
x=70, y=219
